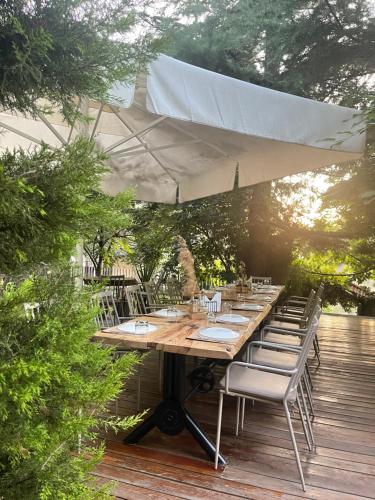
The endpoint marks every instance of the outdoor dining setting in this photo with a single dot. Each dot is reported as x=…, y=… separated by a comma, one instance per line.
x=272, y=368
x=187, y=272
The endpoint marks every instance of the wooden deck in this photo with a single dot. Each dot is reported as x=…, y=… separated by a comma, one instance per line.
x=261, y=463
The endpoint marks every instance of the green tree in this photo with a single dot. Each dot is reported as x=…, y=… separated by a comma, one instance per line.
x=319, y=50
x=55, y=383
x=151, y=237
x=110, y=215
x=61, y=49
x=42, y=213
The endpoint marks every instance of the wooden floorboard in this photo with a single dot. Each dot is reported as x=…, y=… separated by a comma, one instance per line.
x=260, y=461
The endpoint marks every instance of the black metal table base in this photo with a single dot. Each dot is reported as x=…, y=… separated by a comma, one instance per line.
x=170, y=416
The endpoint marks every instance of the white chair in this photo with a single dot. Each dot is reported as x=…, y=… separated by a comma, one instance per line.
x=293, y=335
x=107, y=317
x=269, y=384
x=283, y=323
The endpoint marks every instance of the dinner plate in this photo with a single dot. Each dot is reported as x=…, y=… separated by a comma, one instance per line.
x=261, y=297
x=164, y=313
x=217, y=333
x=142, y=330
x=248, y=307
x=232, y=318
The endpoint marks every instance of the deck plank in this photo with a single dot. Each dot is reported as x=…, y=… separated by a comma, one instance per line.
x=261, y=464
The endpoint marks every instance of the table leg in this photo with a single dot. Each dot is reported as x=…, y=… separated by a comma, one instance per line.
x=171, y=416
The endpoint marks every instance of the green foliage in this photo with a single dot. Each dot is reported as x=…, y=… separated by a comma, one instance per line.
x=61, y=49
x=107, y=238
x=42, y=202
x=151, y=237
x=55, y=385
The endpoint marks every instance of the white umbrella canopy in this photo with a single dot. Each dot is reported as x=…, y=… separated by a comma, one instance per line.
x=180, y=133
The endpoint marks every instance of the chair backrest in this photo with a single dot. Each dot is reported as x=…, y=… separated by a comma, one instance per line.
x=173, y=290
x=261, y=280
x=108, y=315
x=116, y=285
x=302, y=358
x=135, y=298
x=309, y=307
x=154, y=293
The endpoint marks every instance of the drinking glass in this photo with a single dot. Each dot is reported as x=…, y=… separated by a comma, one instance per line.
x=226, y=307
x=172, y=314
x=140, y=326
x=211, y=318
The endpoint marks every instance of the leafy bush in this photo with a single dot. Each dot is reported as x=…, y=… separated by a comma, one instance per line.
x=54, y=385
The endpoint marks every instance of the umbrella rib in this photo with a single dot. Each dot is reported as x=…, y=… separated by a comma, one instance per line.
x=134, y=151
x=191, y=134
x=159, y=162
x=19, y=132
x=97, y=121
x=74, y=121
x=134, y=134
x=52, y=129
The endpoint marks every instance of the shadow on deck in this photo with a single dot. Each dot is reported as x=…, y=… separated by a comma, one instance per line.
x=261, y=463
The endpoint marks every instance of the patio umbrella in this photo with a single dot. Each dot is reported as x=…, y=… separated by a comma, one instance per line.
x=180, y=133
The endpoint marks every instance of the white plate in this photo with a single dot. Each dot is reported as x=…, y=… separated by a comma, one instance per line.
x=261, y=297
x=130, y=328
x=217, y=333
x=232, y=318
x=163, y=313
x=249, y=307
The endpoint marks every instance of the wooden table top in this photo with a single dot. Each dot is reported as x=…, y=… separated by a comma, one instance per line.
x=172, y=336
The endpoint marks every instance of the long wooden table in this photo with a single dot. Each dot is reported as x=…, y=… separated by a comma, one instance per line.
x=171, y=416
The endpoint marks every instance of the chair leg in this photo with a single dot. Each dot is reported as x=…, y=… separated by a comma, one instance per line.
x=307, y=417
x=317, y=342
x=243, y=413
x=307, y=370
x=294, y=443
x=304, y=426
x=316, y=351
x=238, y=406
x=218, y=432
x=309, y=396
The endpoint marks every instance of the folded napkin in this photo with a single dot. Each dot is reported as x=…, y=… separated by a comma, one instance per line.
x=209, y=303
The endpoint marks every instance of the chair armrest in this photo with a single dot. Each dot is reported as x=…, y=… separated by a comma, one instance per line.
x=299, y=332
x=262, y=368
x=298, y=297
x=268, y=345
x=296, y=303
x=288, y=318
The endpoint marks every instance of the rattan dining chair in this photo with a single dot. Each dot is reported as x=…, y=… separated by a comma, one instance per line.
x=269, y=384
x=108, y=316
x=139, y=303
